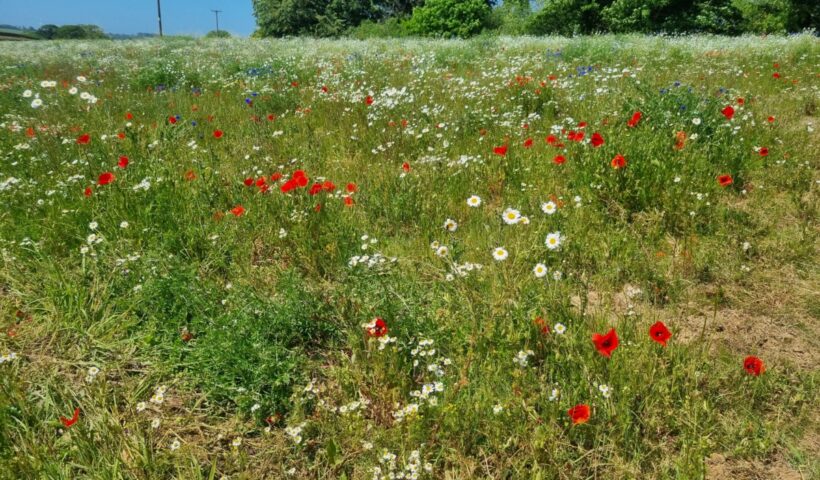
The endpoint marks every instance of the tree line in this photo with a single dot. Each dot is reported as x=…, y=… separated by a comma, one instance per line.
x=465, y=18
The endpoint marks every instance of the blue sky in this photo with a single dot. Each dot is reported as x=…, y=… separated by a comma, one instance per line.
x=192, y=17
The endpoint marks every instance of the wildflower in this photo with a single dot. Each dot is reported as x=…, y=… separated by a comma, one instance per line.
x=474, y=201
x=155, y=423
x=511, y=216
x=763, y=151
x=540, y=270
x=83, y=139
x=36, y=103
x=597, y=140
x=123, y=224
x=238, y=211
x=376, y=328
x=218, y=133
x=69, y=422
x=606, y=344
x=106, y=178
x=528, y=143
x=497, y=409
x=237, y=442
x=696, y=121
x=500, y=254
x=450, y=225
x=636, y=117
x=553, y=240
x=579, y=414
x=141, y=406
x=502, y=150
x=559, y=159
x=549, y=207
x=175, y=445
x=753, y=365
x=659, y=333
x=618, y=161
x=605, y=390
x=559, y=329
x=728, y=112
x=123, y=162
x=724, y=180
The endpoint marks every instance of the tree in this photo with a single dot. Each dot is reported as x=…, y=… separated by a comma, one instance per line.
x=47, y=31
x=449, y=18
x=217, y=34
x=323, y=18
x=85, y=32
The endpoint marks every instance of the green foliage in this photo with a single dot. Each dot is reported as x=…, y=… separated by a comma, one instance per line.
x=390, y=28
x=218, y=34
x=764, y=16
x=76, y=32
x=449, y=18
x=567, y=17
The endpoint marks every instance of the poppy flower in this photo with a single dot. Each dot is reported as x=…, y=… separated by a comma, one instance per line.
x=324, y=88
x=121, y=136
x=351, y=187
x=190, y=175
x=172, y=120
x=559, y=159
x=776, y=75
x=659, y=333
x=551, y=140
x=238, y=211
x=502, y=150
x=406, y=167
x=575, y=136
x=369, y=100
x=248, y=181
x=618, y=162
x=106, y=178
x=275, y=177
x=728, y=112
x=69, y=422
x=348, y=201
x=30, y=132
x=597, y=140
x=377, y=328
x=724, y=180
x=218, y=133
x=680, y=140
x=636, y=117
x=770, y=119
x=528, y=143
x=261, y=181
x=83, y=139
x=606, y=344
x=123, y=162
x=328, y=186
x=763, y=151
x=740, y=101
x=88, y=192
x=315, y=188
x=753, y=365
x=579, y=413
x=129, y=116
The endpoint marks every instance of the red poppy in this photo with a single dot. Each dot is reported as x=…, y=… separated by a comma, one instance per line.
x=724, y=180
x=575, y=136
x=348, y=201
x=659, y=333
x=275, y=177
x=88, y=192
x=190, y=175
x=579, y=413
x=502, y=150
x=351, y=187
x=315, y=188
x=559, y=159
x=377, y=328
x=123, y=162
x=597, y=140
x=172, y=120
x=551, y=139
x=328, y=186
x=618, y=162
x=121, y=136
x=261, y=181
x=271, y=117
x=69, y=422
x=238, y=210
x=528, y=143
x=753, y=365
x=129, y=116
x=740, y=101
x=770, y=119
x=218, y=133
x=606, y=344
x=368, y=100
x=764, y=151
x=324, y=89
x=106, y=178
x=83, y=139
x=406, y=167
x=248, y=182
x=775, y=75
x=636, y=117
x=30, y=132
x=728, y=112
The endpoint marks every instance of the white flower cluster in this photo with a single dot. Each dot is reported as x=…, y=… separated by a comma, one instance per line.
x=8, y=357
x=413, y=469
x=522, y=359
x=295, y=433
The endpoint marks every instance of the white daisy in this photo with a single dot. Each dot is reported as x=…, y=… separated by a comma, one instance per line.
x=442, y=251
x=559, y=328
x=553, y=240
x=36, y=103
x=450, y=225
x=474, y=201
x=511, y=216
x=540, y=270
x=549, y=207
x=500, y=253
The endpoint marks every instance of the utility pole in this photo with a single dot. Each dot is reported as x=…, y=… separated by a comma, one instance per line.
x=159, y=17
x=217, y=12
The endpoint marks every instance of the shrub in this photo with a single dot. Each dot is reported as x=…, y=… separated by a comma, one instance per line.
x=449, y=18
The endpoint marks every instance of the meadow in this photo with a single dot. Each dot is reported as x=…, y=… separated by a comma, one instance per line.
x=500, y=258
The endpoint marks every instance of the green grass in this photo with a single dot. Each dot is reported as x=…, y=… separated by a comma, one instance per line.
x=253, y=326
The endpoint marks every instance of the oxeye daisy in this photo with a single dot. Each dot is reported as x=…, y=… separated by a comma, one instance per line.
x=474, y=201
x=559, y=328
x=549, y=207
x=442, y=251
x=511, y=216
x=540, y=270
x=450, y=225
x=500, y=253
x=553, y=240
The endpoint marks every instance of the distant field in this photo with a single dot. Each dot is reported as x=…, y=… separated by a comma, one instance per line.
x=501, y=258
